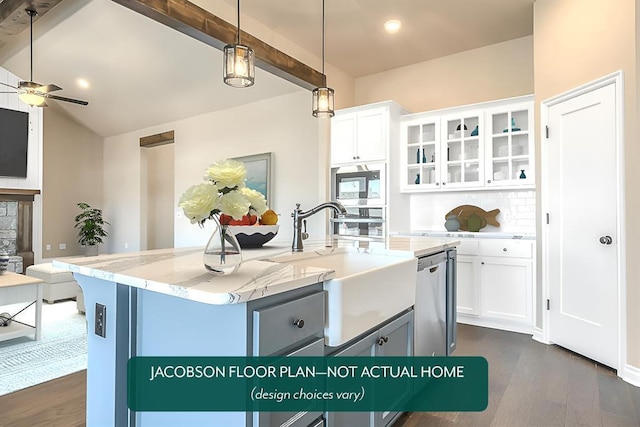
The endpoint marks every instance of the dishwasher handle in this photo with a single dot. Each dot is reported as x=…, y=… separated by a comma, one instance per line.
x=431, y=261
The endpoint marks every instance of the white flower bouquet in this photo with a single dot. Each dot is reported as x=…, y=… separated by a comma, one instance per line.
x=223, y=193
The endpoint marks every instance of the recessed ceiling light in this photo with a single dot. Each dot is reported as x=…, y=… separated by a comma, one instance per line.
x=83, y=83
x=392, y=26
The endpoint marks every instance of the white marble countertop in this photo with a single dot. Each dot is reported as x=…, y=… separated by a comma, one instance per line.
x=180, y=272
x=468, y=234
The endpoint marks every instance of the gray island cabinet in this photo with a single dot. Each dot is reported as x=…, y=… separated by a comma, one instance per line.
x=164, y=303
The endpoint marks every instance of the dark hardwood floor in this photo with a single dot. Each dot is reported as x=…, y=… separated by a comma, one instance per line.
x=57, y=403
x=530, y=384
x=533, y=384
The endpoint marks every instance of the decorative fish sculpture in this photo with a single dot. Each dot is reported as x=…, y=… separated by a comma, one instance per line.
x=464, y=212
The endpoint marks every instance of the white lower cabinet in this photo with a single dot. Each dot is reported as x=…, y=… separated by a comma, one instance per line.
x=468, y=275
x=393, y=339
x=506, y=289
x=495, y=283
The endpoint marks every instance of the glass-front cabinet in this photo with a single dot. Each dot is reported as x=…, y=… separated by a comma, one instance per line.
x=462, y=164
x=509, y=157
x=422, y=153
x=488, y=145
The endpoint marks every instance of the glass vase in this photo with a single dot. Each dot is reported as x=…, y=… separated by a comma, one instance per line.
x=223, y=254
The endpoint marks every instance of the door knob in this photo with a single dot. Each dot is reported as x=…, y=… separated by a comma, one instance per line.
x=606, y=240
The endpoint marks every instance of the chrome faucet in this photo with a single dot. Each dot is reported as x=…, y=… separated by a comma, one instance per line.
x=299, y=216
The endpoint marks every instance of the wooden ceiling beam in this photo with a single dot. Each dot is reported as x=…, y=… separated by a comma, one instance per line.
x=158, y=139
x=202, y=25
x=14, y=19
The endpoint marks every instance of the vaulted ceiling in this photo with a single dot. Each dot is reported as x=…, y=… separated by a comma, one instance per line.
x=142, y=73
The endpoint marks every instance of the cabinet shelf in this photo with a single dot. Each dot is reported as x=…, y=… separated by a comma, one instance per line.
x=513, y=133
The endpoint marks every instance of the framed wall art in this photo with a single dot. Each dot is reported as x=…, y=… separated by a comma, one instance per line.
x=258, y=173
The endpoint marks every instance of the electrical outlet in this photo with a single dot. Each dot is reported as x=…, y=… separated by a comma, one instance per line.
x=62, y=246
x=48, y=247
x=101, y=320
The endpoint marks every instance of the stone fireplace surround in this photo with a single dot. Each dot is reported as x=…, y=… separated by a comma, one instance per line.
x=16, y=226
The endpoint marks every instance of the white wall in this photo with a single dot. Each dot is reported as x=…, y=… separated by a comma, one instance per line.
x=72, y=173
x=33, y=181
x=497, y=71
x=159, y=195
x=281, y=125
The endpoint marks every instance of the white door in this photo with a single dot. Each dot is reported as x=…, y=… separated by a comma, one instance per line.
x=583, y=208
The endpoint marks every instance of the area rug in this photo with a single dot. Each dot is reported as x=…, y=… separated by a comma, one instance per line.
x=62, y=349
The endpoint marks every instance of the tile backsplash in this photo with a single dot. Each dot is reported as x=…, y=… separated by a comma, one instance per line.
x=517, y=209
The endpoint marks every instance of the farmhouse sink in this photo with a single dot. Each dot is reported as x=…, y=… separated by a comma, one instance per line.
x=366, y=290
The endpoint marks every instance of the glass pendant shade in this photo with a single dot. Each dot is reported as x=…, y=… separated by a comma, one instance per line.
x=239, y=69
x=32, y=99
x=322, y=102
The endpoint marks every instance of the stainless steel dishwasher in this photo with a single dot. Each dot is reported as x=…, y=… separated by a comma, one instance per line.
x=435, y=307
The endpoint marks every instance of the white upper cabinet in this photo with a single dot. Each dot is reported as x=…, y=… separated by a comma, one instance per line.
x=466, y=148
x=422, y=153
x=509, y=154
x=462, y=163
x=359, y=136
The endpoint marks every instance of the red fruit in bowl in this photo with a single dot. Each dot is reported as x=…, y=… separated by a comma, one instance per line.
x=225, y=219
x=246, y=220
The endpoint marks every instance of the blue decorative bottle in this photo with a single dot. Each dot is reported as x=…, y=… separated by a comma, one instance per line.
x=417, y=181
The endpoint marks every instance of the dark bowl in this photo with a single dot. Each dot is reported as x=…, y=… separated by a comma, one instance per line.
x=253, y=236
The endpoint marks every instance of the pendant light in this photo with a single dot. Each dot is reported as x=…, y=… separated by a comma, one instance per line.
x=239, y=70
x=322, y=97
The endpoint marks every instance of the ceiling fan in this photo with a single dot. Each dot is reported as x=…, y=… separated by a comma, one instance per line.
x=33, y=93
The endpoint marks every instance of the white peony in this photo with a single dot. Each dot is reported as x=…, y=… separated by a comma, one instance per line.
x=198, y=201
x=224, y=192
x=257, y=200
x=226, y=173
x=235, y=204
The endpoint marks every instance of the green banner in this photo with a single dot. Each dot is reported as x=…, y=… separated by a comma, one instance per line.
x=422, y=384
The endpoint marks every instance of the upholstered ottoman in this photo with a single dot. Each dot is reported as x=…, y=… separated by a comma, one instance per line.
x=59, y=284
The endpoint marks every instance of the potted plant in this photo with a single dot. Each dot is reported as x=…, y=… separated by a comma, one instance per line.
x=90, y=224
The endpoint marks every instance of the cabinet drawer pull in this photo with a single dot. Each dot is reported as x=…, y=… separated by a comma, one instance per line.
x=299, y=323
x=504, y=249
x=382, y=340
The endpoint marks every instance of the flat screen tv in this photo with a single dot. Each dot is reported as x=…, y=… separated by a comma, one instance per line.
x=14, y=141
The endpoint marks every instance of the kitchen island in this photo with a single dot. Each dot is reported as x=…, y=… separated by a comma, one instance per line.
x=164, y=303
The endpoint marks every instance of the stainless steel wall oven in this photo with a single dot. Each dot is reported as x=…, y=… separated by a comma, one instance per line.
x=361, y=190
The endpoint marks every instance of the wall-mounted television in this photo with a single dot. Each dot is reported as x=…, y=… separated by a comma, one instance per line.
x=14, y=142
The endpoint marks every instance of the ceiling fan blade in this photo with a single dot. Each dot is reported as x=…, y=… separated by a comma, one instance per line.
x=8, y=92
x=48, y=88
x=62, y=98
x=4, y=84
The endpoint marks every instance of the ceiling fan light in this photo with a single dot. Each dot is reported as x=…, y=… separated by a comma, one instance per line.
x=32, y=99
x=239, y=68
x=322, y=102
